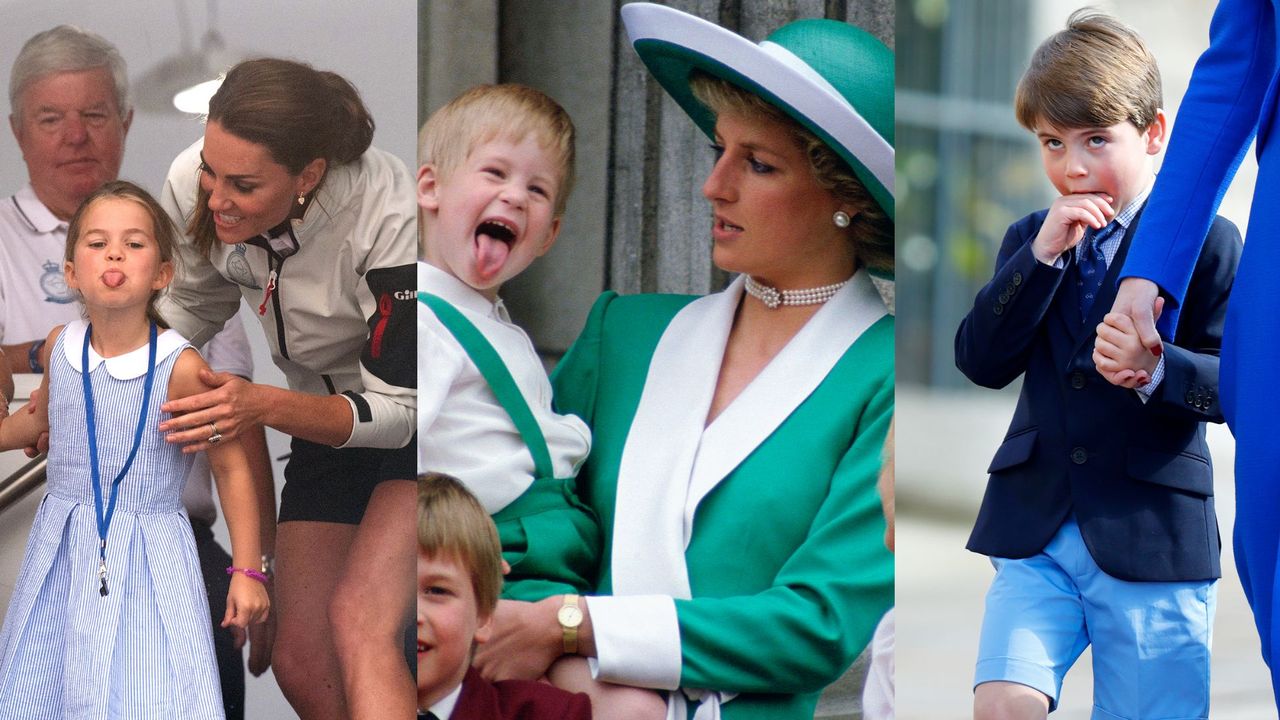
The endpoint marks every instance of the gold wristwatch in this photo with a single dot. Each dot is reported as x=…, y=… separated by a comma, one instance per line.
x=570, y=617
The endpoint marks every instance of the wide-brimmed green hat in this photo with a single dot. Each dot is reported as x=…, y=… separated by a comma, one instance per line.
x=833, y=78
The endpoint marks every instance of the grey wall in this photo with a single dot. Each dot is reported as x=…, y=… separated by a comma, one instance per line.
x=371, y=43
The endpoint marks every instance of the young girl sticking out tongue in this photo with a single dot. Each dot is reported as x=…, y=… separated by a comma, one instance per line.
x=109, y=616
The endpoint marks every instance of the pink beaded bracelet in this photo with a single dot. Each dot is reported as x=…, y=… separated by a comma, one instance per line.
x=249, y=572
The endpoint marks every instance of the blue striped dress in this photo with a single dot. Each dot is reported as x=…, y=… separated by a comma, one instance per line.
x=145, y=650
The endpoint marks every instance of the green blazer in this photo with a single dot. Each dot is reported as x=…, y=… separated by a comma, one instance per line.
x=786, y=559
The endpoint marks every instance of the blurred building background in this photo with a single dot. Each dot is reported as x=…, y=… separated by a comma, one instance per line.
x=966, y=170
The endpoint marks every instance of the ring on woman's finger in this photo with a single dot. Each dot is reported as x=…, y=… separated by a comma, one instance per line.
x=215, y=437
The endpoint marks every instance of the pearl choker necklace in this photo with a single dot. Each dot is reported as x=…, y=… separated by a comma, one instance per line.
x=773, y=297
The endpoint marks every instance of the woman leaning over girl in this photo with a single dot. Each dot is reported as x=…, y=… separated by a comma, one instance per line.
x=287, y=206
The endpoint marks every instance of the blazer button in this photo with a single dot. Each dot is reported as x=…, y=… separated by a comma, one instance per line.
x=1017, y=278
x=1004, y=298
x=1191, y=398
x=1008, y=289
x=1077, y=381
x=998, y=309
x=1079, y=456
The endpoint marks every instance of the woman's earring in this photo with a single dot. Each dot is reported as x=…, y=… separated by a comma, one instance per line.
x=302, y=199
x=841, y=219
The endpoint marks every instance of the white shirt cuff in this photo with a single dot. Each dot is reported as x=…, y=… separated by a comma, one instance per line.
x=390, y=426
x=637, y=640
x=1146, y=391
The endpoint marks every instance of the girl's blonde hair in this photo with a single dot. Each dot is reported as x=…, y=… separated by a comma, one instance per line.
x=163, y=230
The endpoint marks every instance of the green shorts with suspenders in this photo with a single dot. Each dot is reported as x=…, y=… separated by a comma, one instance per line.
x=550, y=538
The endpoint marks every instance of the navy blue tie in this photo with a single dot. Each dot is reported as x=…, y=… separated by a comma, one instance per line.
x=1093, y=265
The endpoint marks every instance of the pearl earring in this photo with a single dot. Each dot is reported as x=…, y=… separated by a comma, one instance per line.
x=841, y=219
x=302, y=198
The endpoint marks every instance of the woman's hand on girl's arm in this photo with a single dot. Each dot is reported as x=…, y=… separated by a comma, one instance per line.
x=526, y=639
x=233, y=403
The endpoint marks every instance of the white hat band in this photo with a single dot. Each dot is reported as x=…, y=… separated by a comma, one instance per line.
x=872, y=150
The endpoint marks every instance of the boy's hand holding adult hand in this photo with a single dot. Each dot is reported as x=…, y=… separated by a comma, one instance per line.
x=1140, y=299
x=1120, y=355
x=1065, y=224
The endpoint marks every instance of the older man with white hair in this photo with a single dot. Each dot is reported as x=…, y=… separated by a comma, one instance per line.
x=70, y=113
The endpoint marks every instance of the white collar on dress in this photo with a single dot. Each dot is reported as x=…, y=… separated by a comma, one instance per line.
x=130, y=365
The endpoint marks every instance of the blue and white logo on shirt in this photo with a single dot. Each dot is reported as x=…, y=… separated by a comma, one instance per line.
x=54, y=284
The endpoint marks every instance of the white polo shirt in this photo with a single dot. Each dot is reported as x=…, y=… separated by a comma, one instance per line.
x=34, y=296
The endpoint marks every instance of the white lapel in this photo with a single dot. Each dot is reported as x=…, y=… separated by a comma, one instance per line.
x=661, y=480
x=785, y=383
x=653, y=474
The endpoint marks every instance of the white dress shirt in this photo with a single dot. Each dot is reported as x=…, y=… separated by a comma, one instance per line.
x=462, y=429
x=443, y=708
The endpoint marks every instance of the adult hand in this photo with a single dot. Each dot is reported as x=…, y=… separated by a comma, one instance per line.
x=1139, y=298
x=526, y=638
x=261, y=637
x=229, y=406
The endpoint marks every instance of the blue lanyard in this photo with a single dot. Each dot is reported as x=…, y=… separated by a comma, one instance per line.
x=104, y=518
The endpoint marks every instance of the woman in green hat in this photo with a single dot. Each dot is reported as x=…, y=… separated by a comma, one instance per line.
x=737, y=436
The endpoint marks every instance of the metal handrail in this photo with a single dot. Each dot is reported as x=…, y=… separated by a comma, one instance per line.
x=22, y=482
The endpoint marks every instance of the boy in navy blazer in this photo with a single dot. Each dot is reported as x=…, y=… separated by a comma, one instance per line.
x=459, y=579
x=1098, y=514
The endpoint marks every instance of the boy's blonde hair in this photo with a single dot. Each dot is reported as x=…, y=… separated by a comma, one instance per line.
x=452, y=524
x=1096, y=73
x=486, y=112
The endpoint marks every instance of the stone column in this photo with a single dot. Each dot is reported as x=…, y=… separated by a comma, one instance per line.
x=659, y=226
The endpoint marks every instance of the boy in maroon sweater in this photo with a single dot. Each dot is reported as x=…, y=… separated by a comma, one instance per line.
x=459, y=579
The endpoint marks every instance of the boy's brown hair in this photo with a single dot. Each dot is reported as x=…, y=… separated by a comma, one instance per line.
x=1096, y=73
x=452, y=524
x=486, y=112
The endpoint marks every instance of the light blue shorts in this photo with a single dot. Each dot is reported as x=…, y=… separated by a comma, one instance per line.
x=1150, y=639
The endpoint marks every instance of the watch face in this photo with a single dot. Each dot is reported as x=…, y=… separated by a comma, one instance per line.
x=570, y=617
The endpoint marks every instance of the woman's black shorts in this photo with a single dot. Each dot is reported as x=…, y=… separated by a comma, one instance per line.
x=329, y=484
